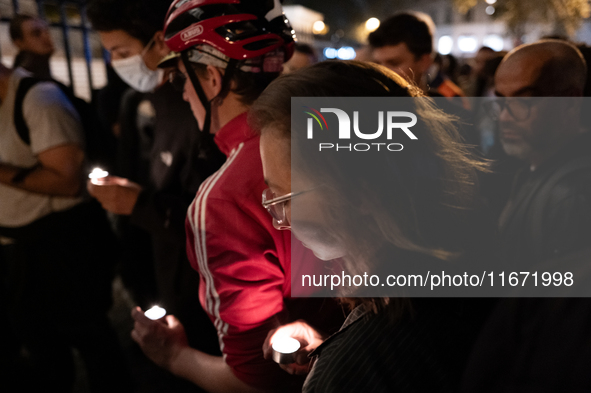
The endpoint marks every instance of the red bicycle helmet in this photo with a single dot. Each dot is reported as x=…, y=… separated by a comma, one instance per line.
x=240, y=29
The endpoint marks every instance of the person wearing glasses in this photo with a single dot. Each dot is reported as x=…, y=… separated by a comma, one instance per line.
x=399, y=209
x=541, y=344
x=549, y=211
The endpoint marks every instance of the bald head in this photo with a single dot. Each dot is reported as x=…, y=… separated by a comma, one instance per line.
x=535, y=129
x=549, y=68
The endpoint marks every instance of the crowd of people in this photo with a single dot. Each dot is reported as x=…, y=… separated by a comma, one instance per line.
x=195, y=131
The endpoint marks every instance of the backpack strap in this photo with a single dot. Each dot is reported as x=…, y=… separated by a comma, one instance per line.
x=20, y=124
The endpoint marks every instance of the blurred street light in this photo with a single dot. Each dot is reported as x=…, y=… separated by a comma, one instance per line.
x=330, y=53
x=491, y=2
x=490, y=10
x=446, y=44
x=494, y=41
x=467, y=44
x=319, y=27
x=372, y=24
x=346, y=53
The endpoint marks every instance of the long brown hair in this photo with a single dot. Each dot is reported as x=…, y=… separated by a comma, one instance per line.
x=421, y=208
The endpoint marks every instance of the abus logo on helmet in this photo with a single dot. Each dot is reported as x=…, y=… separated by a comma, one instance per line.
x=393, y=123
x=192, y=32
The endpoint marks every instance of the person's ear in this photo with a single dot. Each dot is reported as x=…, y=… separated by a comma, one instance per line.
x=213, y=83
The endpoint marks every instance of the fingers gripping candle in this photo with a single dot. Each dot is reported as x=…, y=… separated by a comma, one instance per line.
x=284, y=349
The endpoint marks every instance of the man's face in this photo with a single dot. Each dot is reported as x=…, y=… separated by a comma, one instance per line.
x=529, y=125
x=480, y=60
x=401, y=60
x=36, y=38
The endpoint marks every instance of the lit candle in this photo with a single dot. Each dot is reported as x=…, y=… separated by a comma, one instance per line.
x=96, y=174
x=155, y=313
x=284, y=349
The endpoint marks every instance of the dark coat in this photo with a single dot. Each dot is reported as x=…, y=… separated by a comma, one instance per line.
x=549, y=211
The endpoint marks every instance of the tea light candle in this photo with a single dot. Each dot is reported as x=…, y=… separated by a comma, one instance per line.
x=155, y=313
x=284, y=349
x=96, y=174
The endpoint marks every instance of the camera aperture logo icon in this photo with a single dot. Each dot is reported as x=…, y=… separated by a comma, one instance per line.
x=316, y=117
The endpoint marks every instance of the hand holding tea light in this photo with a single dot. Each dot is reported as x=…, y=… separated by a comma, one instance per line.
x=116, y=194
x=97, y=176
x=289, y=345
x=155, y=313
x=284, y=349
x=161, y=337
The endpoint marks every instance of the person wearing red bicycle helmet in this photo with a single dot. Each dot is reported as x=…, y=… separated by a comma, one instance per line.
x=227, y=52
x=247, y=41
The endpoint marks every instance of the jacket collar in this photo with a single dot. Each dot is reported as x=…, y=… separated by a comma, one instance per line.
x=233, y=133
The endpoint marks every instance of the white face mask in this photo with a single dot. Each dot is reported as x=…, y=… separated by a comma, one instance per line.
x=135, y=73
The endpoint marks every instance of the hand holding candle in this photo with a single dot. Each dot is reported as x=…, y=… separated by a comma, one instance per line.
x=289, y=345
x=284, y=349
x=97, y=176
x=161, y=339
x=116, y=194
x=155, y=313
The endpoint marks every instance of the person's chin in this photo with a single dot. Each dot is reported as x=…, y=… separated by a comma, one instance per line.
x=516, y=148
x=325, y=254
x=322, y=257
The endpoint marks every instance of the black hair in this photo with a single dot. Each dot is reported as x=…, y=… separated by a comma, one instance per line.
x=16, y=25
x=487, y=49
x=248, y=86
x=404, y=28
x=140, y=19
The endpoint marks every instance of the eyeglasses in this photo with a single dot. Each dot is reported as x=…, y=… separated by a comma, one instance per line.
x=276, y=207
x=518, y=107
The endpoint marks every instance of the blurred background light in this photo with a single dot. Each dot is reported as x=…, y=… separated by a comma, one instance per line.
x=445, y=45
x=494, y=41
x=467, y=44
x=346, y=53
x=318, y=27
x=330, y=53
x=372, y=24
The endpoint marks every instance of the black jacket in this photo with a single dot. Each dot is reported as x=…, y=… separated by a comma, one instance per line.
x=549, y=211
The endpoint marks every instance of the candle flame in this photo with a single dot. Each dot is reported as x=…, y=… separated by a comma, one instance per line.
x=285, y=344
x=98, y=173
x=155, y=313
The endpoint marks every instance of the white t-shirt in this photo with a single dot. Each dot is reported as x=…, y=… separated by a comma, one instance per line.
x=52, y=122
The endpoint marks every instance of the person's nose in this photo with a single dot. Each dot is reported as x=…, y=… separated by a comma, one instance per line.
x=505, y=115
